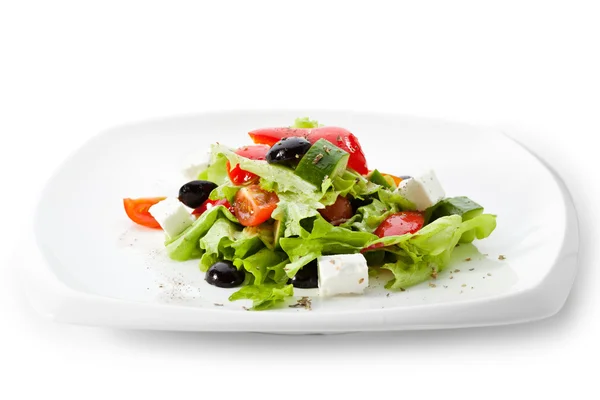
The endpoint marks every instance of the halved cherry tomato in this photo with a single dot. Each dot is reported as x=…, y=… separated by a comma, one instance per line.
x=253, y=205
x=208, y=204
x=237, y=175
x=137, y=211
x=340, y=137
x=398, y=224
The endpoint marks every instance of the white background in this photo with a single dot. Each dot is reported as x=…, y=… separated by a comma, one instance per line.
x=71, y=69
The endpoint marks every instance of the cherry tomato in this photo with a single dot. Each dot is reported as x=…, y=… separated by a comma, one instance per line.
x=208, y=204
x=237, y=175
x=253, y=206
x=338, y=212
x=400, y=224
x=137, y=211
x=340, y=137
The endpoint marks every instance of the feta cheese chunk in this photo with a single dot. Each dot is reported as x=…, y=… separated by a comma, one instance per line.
x=172, y=216
x=196, y=163
x=343, y=274
x=424, y=191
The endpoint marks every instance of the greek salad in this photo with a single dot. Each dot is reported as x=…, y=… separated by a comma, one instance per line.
x=300, y=208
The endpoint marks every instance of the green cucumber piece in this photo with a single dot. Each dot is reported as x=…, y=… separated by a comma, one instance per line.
x=377, y=178
x=323, y=160
x=462, y=206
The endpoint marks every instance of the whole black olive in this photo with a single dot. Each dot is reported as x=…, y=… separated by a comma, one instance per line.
x=307, y=277
x=224, y=274
x=193, y=194
x=288, y=151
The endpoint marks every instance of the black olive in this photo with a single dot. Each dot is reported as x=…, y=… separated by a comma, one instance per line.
x=288, y=151
x=307, y=277
x=224, y=274
x=193, y=194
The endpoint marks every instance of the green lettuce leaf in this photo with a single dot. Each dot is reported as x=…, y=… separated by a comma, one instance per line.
x=482, y=226
x=353, y=184
x=266, y=263
x=217, y=243
x=323, y=239
x=305, y=123
x=284, y=178
x=264, y=296
x=369, y=217
x=216, y=171
x=252, y=237
x=220, y=236
x=245, y=246
x=187, y=245
x=225, y=191
x=293, y=208
x=394, y=198
x=292, y=268
x=422, y=255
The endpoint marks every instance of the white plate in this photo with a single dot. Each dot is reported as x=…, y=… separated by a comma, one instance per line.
x=91, y=265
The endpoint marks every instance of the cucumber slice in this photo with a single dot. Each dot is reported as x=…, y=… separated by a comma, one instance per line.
x=377, y=178
x=323, y=160
x=462, y=206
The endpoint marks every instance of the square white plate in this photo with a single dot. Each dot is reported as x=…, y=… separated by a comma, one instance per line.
x=88, y=264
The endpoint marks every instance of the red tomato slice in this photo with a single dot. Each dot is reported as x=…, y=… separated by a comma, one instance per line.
x=341, y=137
x=208, y=204
x=137, y=211
x=270, y=136
x=253, y=206
x=237, y=175
x=398, y=224
x=345, y=140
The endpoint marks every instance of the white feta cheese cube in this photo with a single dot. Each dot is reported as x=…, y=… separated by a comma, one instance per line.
x=172, y=216
x=342, y=274
x=424, y=191
x=196, y=163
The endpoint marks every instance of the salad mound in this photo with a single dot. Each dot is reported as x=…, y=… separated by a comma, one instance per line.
x=288, y=211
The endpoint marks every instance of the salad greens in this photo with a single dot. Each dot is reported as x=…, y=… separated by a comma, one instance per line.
x=305, y=123
x=424, y=254
x=297, y=234
x=264, y=296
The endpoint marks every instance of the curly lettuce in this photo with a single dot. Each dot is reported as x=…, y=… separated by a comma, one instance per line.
x=305, y=123
x=297, y=234
x=323, y=239
x=187, y=245
x=263, y=296
x=422, y=255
